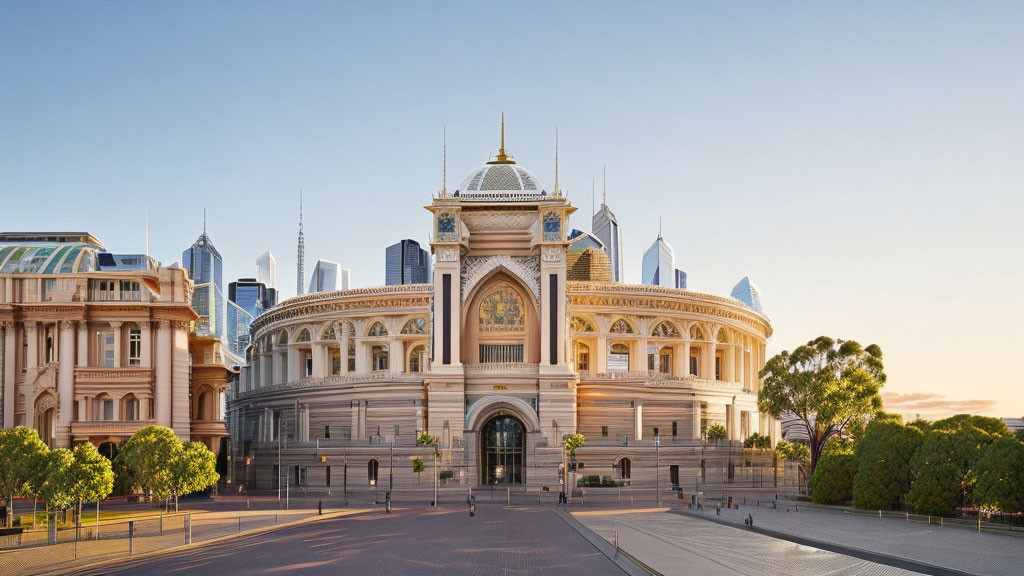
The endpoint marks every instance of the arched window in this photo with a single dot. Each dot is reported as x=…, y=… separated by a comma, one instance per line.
x=625, y=467
x=696, y=333
x=723, y=336
x=415, y=326
x=371, y=471
x=377, y=329
x=282, y=337
x=621, y=327
x=329, y=333
x=582, y=356
x=104, y=407
x=694, y=361
x=380, y=358
x=665, y=360
x=618, y=358
x=577, y=324
x=131, y=408
x=351, y=352
x=502, y=311
x=416, y=358
x=201, y=406
x=303, y=336
x=665, y=329
x=335, y=361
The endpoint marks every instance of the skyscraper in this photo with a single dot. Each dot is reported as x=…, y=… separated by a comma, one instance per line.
x=606, y=228
x=266, y=270
x=328, y=276
x=406, y=263
x=659, y=264
x=680, y=279
x=205, y=267
x=247, y=299
x=747, y=292
x=301, y=276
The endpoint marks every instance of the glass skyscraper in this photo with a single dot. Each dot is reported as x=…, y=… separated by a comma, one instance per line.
x=205, y=266
x=606, y=228
x=406, y=263
x=239, y=321
x=680, y=279
x=328, y=276
x=747, y=292
x=659, y=264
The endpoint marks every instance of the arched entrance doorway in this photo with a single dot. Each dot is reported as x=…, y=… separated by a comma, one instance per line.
x=502, y=451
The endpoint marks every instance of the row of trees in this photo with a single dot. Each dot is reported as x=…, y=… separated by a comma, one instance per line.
x=153, y=460
x=933, y=468
x=858, y=452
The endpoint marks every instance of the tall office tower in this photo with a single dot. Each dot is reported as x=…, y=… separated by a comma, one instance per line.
x=266, y=270
x=747, y=292
x=680, y=279
x=301, y=276
x=205, y=268
x=237, y=326
x=606, y=228
x=328, y=276
x=406, y=263
x=659, y=264
x=247, y=299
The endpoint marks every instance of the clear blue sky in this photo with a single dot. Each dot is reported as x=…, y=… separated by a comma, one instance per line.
x=862, y=162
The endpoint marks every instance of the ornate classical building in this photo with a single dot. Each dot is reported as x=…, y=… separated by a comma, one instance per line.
x=498, y=358
x=96, y=346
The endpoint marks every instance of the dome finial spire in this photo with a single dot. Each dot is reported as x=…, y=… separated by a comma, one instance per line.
x=502, y=157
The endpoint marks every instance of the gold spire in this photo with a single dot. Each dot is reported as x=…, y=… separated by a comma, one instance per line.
x=502, y=157
x=558, y=191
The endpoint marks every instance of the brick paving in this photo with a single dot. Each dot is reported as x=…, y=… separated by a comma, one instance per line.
x=499, y=540
x=679, y=545
x=957, y=548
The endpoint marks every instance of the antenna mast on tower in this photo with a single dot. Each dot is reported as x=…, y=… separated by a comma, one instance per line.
x=302, y=252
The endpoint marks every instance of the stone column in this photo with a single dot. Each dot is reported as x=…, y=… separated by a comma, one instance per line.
x=82, y=359
x=181, y=416
x=162, y=392
x=686, y=358
x=711, y=349
x=10, y=398
x=396, y=356
x=679, y=362
x=147, y=344
x=362, y=358
x=344, y=348
x=32, y=359
x=116, y=327
x=728, y=368
x=640, y=362
x=601, y=355
x=319, y=351
x=638, y=421
x=294, y=370
x=354, y=432
x=695, y=425
x=65, y=383
x=741, y=375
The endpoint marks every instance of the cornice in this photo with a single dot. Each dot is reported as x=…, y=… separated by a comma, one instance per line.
x=402, y=296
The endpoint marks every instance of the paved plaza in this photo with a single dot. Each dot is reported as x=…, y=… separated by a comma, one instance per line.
x=674, y=544
x=957, y=548
x=499, y=540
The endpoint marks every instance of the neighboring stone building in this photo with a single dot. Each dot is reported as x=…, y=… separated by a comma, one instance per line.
x=498, y=358
x=94, y=352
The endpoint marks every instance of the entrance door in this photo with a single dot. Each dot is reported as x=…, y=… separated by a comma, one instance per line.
x=502, y=443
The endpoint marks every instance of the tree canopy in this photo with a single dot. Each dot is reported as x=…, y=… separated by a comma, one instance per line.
x=573, y=442
x=832, y=481
x=148, y=454
x=193, y=468
x=1000, y=476
x=23, y=457
x=943, y=466
x=883, y=464
x=92, y=474
x=827, y=384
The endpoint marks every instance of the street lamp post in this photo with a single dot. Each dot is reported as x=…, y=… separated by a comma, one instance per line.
x=279, y=463
x=436, y=455
x=657, y=468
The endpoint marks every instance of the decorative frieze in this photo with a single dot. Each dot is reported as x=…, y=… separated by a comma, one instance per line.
x=476, y=268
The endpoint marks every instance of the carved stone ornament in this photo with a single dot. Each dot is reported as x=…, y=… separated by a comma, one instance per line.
x=68, y=324
x=475, y=269
x=447, y=255
x=551, y=254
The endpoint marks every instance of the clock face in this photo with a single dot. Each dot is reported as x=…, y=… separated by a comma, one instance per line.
x=446, y=225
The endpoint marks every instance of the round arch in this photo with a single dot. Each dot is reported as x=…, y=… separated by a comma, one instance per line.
x=495, y=405
x=473, y=336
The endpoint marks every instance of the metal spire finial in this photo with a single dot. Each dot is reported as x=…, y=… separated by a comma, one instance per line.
x=204, y=220
x=444, y=161
x=558, y=191
x=604, y=184
x=502, y=157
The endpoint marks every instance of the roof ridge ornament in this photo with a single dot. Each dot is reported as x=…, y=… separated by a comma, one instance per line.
x=502, y=157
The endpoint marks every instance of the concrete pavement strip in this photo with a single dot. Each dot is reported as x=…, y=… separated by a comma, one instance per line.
x=629, y=564
x=147, y=555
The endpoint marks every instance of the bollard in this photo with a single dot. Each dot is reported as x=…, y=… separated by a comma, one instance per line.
x=247, y=506
x=188, y=529
x=979, y=521
x=616, y=543
x=275, y=518
x=508, y=496
x=131, y=537
x=239, y=523
x=940, y=521
x=161, y=523
x=879, y=513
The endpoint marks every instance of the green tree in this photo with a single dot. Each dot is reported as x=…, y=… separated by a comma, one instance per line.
x=883, y=464
x=943, y=468
x=148, y=454
x=92, y=475
x=993, y=426
x=570, y=444
x=1019, y=434
x=193, y=467
x=758, y=442
x=425, y=439
x=417, y=467
x=56, y=486
x=832, y=481
x=1000, y=474
x=22, y=459
x=827, y=384
x=716, y=432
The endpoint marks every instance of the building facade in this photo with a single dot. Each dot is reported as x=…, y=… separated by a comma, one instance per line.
x=497, y=358
x=680, y=279
x=93, y=353
x=266, y=270
x=406, y=263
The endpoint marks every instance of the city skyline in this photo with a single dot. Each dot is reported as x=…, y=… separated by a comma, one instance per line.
x=888, y=220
